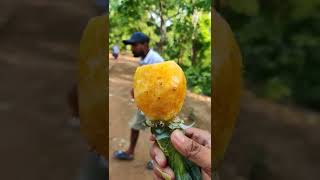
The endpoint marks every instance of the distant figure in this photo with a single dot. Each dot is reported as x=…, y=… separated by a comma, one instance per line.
x=115, y=51
x=140, y=48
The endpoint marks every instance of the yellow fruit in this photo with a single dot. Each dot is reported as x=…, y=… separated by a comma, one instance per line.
x=159, y=90
x=227, y=85
x=92, y=84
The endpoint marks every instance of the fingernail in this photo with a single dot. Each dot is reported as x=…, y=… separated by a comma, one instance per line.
x=163, y=174
x=179, y=136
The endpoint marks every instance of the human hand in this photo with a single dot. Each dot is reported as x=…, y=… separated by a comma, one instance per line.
x=195, y=145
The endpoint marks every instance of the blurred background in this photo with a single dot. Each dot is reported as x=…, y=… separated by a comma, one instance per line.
x=277, y=135
x=39, y=46
x=179, y=31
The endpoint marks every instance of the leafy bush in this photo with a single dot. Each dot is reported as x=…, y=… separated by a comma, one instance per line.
x=280, y=43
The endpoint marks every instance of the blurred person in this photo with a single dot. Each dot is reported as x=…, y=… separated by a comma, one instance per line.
x=140, y=48
x=194, y=144
x=115, y=51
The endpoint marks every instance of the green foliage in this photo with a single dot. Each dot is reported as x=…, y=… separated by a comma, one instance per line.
x=199, y=79
x=276, y=89
x=241, y=6
x=280, y=43
x=179, y=30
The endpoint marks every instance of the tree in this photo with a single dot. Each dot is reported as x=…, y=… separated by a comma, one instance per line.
x=279, y=41
x=179, y=30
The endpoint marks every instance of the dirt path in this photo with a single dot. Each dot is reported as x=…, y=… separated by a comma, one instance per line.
x=120, y=112
x=273, y=142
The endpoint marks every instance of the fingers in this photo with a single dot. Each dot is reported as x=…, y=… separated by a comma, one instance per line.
x=206, y=176
x=163, y=173
x=200, y=136
x=192, y=150
x=195, y=145
x=156, y=177
x=152, y=138
x=158, y=156
x=160, y=168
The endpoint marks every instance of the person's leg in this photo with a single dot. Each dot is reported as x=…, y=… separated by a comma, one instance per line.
x=136, y=125
x=133, y=141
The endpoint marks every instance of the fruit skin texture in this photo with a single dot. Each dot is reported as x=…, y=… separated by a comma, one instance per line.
x=160, y=90
x=227, y=86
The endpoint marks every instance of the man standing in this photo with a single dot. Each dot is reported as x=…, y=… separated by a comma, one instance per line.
x=140, y=48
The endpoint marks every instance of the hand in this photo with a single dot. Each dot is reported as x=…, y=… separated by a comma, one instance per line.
x=195, y=145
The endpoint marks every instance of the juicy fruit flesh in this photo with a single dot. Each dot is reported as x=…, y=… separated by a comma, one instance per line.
x=159, y=90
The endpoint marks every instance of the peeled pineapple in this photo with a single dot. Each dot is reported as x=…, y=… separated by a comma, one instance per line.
x=159, y=90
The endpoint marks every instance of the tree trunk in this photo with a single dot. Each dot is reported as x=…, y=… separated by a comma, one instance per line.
x=195, y=19
x=163, y=29
x=194, y=53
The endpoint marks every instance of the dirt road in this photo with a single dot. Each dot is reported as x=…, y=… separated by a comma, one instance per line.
x=273, y=142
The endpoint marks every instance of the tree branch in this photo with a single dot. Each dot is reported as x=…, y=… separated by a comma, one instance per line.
x=178, y=12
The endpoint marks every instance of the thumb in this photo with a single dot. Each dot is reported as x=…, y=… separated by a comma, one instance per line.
x=192, y=150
